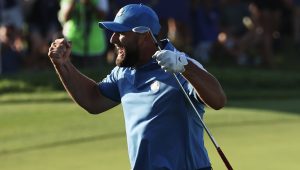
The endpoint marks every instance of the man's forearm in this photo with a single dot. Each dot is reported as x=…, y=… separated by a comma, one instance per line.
x=80, y=88
x=207, y=86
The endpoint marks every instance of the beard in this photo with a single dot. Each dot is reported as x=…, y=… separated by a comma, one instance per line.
x=127, y=57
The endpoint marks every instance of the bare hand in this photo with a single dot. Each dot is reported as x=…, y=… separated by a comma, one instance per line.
x=59, y=51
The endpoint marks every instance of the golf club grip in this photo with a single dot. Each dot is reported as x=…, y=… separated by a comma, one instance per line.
x=224, y=159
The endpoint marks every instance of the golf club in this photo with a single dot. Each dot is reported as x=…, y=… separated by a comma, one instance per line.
x=142, y=30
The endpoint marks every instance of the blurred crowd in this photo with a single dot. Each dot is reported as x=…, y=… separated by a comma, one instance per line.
x=236, y=32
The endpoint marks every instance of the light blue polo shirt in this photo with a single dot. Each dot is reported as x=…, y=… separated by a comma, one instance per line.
x=163, y=131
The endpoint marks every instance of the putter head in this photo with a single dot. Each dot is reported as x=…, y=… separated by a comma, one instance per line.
x=141, y=29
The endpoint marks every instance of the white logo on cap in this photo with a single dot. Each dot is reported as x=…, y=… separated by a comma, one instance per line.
x=154, y=86
x=121, y=11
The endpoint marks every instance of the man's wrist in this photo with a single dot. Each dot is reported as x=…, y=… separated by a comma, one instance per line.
x=61, y=65
x=198, y=64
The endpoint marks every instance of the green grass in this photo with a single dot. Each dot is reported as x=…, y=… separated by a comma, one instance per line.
x=60, y=135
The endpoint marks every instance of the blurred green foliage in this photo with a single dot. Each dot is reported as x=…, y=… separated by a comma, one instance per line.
x=238, y=83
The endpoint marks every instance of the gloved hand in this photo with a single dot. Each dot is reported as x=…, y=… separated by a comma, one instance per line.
x=171, y=61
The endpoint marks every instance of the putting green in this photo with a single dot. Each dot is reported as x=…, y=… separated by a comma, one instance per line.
x=61, y=135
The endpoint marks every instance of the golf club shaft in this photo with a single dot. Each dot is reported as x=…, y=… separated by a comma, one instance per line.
x=188, y=98
x=220, y=152
x=143, y=29
x=222, y=155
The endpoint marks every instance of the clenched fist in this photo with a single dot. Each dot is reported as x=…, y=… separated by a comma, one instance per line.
x=59, y=51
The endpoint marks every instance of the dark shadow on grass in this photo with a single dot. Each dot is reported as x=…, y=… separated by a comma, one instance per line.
x=63, y=143
x=38, y=100
x=122, y=134
x=291, y=106
x=253, y=122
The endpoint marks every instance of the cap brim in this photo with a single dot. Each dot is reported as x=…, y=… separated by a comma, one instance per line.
x=114, y=27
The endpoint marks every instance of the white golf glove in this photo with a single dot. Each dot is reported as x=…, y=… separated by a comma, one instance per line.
x=171, y=61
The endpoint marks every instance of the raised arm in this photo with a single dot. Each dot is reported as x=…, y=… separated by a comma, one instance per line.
x=207, y=86
x=83, y=90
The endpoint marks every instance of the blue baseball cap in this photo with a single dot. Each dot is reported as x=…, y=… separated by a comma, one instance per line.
x=131, y=16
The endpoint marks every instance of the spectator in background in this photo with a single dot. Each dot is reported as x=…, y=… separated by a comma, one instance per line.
x=175, y=22
x=235, y=32
x=79, y=19
x=11, y=51
x=295, y=7
x=267, y=14
x=11, y=11
x=206, y=27
x=11, y=39
x=44, y=27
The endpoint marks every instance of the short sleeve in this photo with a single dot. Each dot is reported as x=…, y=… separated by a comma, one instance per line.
x=109, y=86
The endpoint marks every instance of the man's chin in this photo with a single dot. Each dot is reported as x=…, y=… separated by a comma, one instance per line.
x=121, y=63
x=120, y=60
x=124, y=64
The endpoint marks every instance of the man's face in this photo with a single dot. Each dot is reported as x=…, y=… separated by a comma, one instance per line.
x=127, y=51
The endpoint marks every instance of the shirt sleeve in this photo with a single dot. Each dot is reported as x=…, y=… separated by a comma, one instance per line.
x=109, y=86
